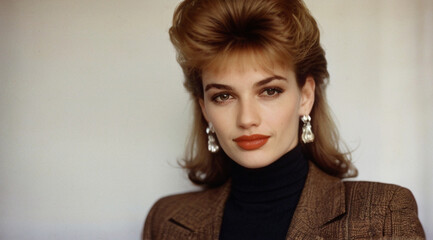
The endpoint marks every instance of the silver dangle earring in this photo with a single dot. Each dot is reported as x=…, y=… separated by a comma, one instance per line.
x=307, y=133
x=212, y=146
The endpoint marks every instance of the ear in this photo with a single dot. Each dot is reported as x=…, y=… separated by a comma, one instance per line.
x=307, y=96
x=203, y=108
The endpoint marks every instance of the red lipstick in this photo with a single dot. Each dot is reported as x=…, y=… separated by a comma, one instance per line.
x=251, y=142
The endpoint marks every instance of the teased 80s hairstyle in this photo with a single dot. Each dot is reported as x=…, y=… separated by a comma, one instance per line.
x=206, y=33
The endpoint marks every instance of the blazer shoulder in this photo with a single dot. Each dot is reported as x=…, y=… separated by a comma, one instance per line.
x=380, y=193
x=172, y=203
x=390, y=207
x=176, y=201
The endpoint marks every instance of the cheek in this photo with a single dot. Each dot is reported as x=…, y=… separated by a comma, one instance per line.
x=284, y=116
x=283, y=120
x=220, y=118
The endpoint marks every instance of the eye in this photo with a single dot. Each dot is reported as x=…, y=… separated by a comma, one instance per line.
x=271, y=92
x=221, y=98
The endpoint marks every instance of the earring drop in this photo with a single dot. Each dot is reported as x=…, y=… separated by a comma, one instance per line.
x=212, y=146
x=307, y=134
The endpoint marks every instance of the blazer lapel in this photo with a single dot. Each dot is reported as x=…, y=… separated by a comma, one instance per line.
x=203, y=215
x=322, y=200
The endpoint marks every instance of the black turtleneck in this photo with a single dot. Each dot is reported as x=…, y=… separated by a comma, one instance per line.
x=262, y=201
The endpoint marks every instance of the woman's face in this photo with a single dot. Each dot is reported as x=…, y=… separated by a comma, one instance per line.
x=255, y=112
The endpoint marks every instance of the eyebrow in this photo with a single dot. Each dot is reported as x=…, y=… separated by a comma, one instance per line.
x=257, y=84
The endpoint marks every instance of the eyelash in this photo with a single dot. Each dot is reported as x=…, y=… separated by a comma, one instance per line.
x=219, y=95
x=277, y=91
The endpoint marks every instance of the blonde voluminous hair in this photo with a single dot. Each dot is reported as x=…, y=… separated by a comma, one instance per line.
x=206, y=33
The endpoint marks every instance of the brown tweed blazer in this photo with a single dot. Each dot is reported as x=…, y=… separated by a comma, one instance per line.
x=328, y=209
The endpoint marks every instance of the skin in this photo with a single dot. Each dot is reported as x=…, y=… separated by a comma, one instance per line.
x=248, y=100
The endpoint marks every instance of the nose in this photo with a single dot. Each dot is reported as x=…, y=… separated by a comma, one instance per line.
x=248, y=114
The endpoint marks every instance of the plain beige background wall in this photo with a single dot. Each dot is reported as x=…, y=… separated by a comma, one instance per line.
x=93, y=115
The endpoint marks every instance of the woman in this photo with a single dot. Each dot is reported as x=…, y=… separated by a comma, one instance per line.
x=264, y=146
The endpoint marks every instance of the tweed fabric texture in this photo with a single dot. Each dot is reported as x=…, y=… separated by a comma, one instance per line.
x=328, y=209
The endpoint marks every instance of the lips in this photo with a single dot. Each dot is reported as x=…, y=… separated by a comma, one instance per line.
x=251, y=142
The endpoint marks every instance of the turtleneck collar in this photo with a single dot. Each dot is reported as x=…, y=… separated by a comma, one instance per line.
x=262, y=201
x=271, y=184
